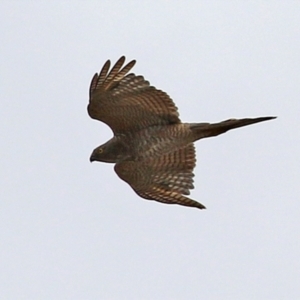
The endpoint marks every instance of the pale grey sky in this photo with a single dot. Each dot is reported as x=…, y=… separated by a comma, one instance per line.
x=74, y=230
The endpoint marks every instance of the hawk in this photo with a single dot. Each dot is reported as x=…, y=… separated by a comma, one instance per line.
x=153, y=151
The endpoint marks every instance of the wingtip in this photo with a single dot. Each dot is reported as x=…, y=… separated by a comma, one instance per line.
x=123, y=58
x=107, y=64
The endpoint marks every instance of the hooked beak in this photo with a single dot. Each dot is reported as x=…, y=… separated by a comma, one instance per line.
x=92, y=157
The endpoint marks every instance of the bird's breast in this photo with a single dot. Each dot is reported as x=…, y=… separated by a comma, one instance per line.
x=159, y=140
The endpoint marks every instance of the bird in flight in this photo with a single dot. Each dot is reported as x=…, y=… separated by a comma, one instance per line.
x=153, y=151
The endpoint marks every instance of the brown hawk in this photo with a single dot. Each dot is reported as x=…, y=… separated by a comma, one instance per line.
x=152, y=149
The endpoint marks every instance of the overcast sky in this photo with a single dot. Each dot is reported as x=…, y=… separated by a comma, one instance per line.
x=73, y=230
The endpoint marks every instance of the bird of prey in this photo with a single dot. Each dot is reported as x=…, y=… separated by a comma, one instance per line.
x=153, y=151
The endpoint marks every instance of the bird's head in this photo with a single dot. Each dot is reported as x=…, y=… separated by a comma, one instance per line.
x=110, y=152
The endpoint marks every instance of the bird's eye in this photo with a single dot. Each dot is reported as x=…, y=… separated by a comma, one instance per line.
x=100, y=150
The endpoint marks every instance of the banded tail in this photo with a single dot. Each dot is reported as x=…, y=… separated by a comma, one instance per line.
x=203, y=130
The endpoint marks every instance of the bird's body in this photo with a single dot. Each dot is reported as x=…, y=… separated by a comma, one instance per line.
x=152, y=149
x=158, y=140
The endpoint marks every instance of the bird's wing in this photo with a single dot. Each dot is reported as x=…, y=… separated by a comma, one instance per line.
x=128, y=102
x=165, y=179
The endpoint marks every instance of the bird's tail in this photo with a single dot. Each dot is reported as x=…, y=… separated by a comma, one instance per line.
x=203, y=130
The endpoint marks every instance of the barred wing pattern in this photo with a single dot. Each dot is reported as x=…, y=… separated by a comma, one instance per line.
x=165, y=179
x=128, y=103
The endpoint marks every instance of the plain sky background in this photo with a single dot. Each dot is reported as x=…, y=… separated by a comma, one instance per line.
x=73, y=230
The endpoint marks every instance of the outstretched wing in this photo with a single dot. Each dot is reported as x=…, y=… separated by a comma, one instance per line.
x=165, y=179
x=128, y=102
